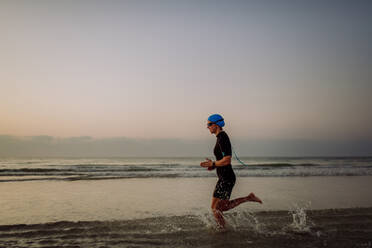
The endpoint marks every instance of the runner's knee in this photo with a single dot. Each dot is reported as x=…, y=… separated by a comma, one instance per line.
x=222, y=206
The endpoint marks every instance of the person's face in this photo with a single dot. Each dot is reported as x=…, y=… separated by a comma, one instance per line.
x=212, y=127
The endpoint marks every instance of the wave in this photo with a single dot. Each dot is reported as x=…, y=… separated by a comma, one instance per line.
x=30, y=170
x=24, y=178
x=100, y=169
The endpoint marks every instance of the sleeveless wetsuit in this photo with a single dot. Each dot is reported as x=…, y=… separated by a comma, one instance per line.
x=226, y=175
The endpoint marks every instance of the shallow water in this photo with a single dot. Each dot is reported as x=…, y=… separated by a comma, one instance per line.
x=325, y=228
x=165, y=202
x=104, y=200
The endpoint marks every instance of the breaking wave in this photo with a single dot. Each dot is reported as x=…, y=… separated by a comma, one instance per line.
x=99, y=169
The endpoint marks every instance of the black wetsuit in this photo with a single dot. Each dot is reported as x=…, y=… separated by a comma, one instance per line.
x=226, y=175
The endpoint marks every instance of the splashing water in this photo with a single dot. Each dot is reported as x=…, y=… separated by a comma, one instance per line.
x=248, y=221
x=300, y=222
x=208, y=219
x=236, y=220
x=242, y=219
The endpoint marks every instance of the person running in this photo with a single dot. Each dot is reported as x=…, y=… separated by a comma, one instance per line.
x=225, y=173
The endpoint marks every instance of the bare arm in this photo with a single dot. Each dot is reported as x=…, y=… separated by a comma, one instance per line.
x=222, y=162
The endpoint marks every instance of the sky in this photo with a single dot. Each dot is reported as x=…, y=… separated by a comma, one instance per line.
x=280, y=72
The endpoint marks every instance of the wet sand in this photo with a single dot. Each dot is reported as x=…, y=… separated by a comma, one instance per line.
x=318, y=228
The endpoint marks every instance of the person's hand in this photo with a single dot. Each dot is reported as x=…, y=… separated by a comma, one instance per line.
x=207, y=164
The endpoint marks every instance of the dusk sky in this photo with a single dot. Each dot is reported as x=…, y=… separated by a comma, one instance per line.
x=276, y=70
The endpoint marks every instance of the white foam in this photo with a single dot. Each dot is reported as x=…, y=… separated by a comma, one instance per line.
x=300, y=222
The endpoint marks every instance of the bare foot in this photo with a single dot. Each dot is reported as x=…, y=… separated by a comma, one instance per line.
x=252, y=197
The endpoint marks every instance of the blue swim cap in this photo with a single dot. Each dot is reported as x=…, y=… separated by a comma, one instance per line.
x=217, y=119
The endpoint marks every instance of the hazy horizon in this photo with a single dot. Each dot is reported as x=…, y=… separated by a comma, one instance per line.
x=289, y=77
x=47, y=146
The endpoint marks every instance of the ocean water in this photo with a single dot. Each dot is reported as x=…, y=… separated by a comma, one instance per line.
x=26, y=169
x=165, y=202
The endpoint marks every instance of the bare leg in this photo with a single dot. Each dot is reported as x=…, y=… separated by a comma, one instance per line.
x=254, y=198
x=218, y=206
x=224, y=205
x=219, y=218
x=218, y=213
